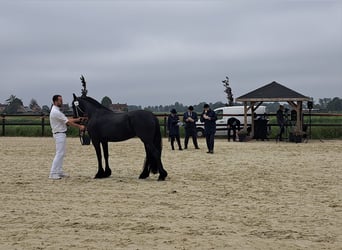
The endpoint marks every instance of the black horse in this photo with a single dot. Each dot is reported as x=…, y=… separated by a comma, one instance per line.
x=105, y=126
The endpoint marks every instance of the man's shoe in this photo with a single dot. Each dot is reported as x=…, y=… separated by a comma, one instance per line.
x=55, y=177
x=63, y=175
x=197, y=148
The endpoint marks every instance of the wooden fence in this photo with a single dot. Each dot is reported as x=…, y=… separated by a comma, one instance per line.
x=43, y=121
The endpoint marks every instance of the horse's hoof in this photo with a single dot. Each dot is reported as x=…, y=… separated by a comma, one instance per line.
x=107, y=174
x=161, y=178
x=99, y=176
x=144, y=175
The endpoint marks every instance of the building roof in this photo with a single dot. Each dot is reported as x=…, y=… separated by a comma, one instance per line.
x=273, y=92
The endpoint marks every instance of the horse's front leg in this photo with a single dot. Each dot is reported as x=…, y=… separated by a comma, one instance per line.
x=100, y=173
x=108, y=171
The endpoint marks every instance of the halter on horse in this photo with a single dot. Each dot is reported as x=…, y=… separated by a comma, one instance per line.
x=84, y=137
x=105, y=126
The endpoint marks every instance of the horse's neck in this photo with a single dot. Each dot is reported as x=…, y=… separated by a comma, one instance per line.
x=92, y=111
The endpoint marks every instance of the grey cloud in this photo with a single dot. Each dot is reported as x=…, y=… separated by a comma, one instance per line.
x=151, y=53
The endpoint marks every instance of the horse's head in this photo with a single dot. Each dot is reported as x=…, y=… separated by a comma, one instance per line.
x=85, y=106
x=78, y=107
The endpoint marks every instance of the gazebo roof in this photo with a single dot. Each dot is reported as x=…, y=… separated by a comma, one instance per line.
x=273, y=92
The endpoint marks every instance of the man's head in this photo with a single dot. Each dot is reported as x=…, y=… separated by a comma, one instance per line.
x=57, y=100
x=281, y=107
x=190, y=108
x=206, y=107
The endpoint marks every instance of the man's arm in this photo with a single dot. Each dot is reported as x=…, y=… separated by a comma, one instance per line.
x=74, y=123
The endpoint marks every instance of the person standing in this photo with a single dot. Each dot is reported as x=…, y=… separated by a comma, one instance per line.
x=59, y=123
x=190, y=119
x=173, y=128
x=209, y=118
x=281, y=122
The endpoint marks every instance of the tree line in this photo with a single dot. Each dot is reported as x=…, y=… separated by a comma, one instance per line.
x=14, y=105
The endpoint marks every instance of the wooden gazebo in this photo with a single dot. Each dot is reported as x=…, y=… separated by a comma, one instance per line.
x=274, y=92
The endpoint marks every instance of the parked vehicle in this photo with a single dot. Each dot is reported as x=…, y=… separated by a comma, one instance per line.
x=224, y=113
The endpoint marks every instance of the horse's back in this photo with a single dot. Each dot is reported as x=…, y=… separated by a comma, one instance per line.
x=123, y=126
x=143, y=122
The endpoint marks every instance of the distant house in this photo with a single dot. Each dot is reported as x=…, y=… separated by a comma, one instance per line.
x=66, y=109
x=36, y=108
x=2, y=107
x=21, y=109
x=28, y=109
x=119, y=107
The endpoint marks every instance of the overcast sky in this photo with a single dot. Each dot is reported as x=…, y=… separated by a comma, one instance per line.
x=159, y=52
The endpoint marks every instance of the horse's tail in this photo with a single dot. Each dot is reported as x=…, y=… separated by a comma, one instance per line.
x=157, y=142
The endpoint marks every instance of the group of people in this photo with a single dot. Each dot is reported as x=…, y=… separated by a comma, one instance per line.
x=190, y=117
x=59, y=123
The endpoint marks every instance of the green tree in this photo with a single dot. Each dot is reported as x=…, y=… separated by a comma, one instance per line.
x=324, y=102
x=335, y=104
x=228, y=91
x=106, y=101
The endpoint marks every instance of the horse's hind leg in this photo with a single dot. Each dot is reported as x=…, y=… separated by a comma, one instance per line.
x=107, y=171
x=146, y=170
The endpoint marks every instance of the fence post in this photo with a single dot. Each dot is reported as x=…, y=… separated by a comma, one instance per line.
x=3, y=124
x=43, y=125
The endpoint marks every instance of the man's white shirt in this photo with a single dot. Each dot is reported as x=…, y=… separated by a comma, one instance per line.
x=57, y=120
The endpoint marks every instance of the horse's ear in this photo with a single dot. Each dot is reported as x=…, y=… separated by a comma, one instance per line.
x=75, y=97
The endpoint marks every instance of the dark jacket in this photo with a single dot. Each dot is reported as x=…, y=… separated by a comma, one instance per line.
x=209, y=125
x=172, y=125
x=188, y=124
x=234, y=123
x=280, y=117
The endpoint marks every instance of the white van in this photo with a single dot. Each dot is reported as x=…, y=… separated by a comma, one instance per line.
x=224, y=113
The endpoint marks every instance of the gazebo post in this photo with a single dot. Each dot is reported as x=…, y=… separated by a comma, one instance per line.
x=252, y=118
x=299, y=116
x=245, y=116
x=299, y=119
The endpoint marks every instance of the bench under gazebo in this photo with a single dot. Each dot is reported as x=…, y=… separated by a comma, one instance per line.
x=274, y=92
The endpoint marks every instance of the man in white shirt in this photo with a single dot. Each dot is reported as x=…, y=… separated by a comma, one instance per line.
x=59, y=122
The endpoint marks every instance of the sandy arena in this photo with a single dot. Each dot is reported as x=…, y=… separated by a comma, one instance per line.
x=254, y=195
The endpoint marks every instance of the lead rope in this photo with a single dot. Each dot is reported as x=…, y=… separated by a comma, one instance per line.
x=84, y=137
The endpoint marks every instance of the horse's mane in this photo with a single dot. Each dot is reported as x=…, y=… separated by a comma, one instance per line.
x=95, y=103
